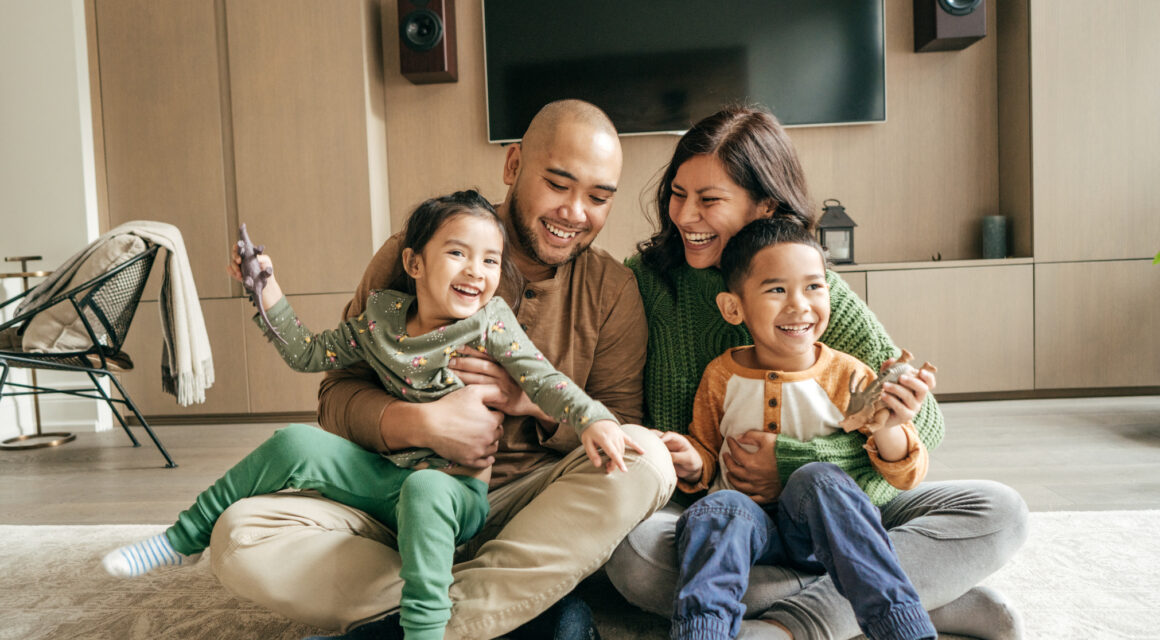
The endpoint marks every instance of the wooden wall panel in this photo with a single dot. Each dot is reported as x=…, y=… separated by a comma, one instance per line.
x=1095, y=130
x=932, y=169
x=162, y=132
x=919, y=184
x=974, y=323
x=275, y=387
x=299, y=99
x=1097, y=324
x=1014, y=65
x=229, y=394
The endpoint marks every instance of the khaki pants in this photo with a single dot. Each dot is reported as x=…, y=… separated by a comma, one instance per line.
x=323, y=563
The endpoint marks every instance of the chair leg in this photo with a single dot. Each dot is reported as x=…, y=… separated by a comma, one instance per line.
x=140, y=418
x=113, y=408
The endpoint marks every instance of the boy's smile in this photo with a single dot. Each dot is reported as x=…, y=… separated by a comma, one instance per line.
x=785, y=304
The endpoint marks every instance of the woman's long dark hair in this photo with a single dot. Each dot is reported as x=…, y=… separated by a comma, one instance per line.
x=757, y=155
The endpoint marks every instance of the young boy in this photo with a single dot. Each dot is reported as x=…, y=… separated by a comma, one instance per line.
x=788, y=385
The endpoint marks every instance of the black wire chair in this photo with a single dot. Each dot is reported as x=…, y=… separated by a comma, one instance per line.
x=106, y=305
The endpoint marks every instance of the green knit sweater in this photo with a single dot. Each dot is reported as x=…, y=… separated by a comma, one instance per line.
x=686, y=331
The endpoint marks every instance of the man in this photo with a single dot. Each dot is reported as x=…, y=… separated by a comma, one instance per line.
x=555, y=518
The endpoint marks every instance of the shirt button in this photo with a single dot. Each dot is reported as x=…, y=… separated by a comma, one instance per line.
x=772, y=376
x=529, y=294
x=773, y=402
x=773, y=426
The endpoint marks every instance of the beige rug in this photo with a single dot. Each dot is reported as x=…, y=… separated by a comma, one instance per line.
x=1083, y=575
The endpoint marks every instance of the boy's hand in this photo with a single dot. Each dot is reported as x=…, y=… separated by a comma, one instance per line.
x=686, y=461
x=904, y=399
x=607, y=436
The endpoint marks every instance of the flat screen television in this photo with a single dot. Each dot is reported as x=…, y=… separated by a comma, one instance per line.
x=658, y=66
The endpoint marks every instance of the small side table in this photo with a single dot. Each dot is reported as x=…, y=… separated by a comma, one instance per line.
x=40, y=439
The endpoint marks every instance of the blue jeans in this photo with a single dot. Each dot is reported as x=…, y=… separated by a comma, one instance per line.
x=822, y=522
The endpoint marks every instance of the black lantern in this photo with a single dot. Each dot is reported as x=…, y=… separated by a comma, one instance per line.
x=836, y=232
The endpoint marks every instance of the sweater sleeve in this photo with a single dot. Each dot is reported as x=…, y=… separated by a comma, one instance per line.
x=305, y=351
x=909, y=471
x=552, y=391
x=705, y=429
x=351, y=401
x=855, y=330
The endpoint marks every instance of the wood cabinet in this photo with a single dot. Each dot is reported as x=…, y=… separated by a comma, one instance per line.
x=275, y=387
x=1097, y=324
x=267, y=112
x=1094, y=134
x=161, y=121
x=975, y=323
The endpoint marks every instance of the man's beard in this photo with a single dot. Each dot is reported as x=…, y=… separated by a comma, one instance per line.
x=526, y=236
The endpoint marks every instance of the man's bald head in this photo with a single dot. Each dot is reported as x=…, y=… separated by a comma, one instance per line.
x=553, y=115
x=561, y=181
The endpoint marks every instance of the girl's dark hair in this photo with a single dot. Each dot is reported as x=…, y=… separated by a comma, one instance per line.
x=758, y=156
x=428, y=217
x=737, y=256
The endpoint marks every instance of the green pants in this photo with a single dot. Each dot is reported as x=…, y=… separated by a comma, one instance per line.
x=432, y=512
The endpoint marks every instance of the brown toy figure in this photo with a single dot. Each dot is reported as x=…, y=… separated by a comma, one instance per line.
x=254, y=276
x=866, y=408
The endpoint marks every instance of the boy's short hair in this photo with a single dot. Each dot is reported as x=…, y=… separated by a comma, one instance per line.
x=737, y=257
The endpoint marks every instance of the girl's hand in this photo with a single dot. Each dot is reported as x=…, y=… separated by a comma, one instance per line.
x=686, y=461
x=607, y=436
x=904, y=399
x=271, y=293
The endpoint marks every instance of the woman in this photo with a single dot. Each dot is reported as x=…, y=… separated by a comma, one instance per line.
x=729, y=169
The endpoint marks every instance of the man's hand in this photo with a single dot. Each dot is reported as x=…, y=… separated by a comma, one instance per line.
x=686, y=461
x=754, y=474
x=459, y=426
x=476, y=367
x=607, y=436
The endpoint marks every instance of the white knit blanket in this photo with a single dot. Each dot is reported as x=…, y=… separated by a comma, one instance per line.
x=186, y=359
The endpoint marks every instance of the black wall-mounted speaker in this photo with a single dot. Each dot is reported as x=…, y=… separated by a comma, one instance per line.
x=948, y=25
x=427, y=41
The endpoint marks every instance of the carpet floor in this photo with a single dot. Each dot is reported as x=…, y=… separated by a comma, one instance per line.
x=1082, y=575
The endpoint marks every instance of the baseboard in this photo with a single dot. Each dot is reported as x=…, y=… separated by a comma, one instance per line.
x=1044, y=394
x=230, y=418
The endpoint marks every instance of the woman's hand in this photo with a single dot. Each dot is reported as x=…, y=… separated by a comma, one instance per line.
x=686, y=461
x=754, y=474
x=904, y=399
x=607, y=436
x=476, y=367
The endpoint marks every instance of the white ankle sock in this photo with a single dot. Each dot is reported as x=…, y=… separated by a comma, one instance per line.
x=139, y=558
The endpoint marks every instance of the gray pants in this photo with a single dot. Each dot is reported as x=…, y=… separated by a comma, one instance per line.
x=949, y=536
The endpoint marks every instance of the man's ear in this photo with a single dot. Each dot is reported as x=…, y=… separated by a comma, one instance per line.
x=412, y=263
x=511, y=163
x=730, y=305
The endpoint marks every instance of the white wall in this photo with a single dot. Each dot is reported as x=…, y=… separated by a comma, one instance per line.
x=47, y=177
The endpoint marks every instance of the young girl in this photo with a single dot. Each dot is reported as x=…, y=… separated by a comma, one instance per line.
x=453, y=259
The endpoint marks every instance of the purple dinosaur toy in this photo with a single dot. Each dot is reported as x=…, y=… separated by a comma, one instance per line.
x=254, y=276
